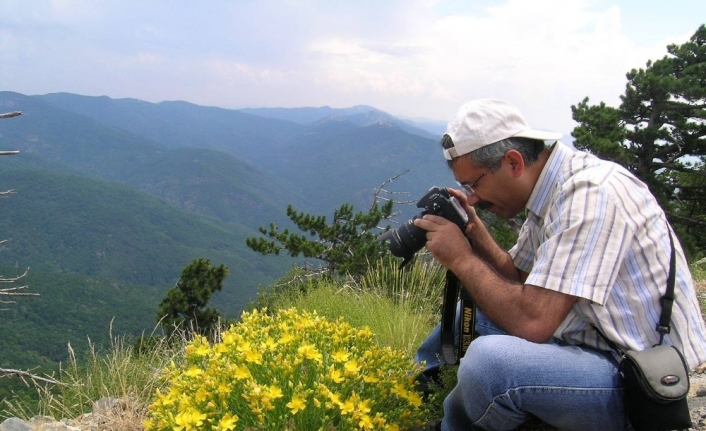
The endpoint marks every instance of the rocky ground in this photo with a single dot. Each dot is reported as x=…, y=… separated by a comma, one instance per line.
x=115, y=415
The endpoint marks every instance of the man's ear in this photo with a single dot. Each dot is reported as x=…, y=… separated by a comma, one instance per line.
x=515, y=161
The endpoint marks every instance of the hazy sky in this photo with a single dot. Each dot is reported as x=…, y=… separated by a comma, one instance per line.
x=410, y=58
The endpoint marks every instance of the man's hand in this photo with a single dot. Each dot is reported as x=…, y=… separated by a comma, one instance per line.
x=445, y=241
x=473, y=220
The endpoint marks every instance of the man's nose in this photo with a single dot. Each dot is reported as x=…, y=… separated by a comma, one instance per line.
x=472, y=199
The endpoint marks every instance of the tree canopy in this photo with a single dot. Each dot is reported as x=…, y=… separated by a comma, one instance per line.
x=658, y=132
x=185, y=305
x=346, y=245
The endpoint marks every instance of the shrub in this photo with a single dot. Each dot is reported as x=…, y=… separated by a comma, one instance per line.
x=289, y=371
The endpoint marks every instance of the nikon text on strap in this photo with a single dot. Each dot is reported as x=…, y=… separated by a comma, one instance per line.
x=465, y=326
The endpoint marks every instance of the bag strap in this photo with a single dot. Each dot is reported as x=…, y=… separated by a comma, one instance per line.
x=668, y=299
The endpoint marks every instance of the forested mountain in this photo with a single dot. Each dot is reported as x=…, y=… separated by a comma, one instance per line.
x=114, y=197
x=361, y=115
x=339, y=152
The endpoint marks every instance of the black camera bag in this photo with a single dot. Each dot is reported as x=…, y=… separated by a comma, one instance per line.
x=656, y=385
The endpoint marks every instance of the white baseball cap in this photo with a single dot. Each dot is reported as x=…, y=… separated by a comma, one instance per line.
x=486, y=121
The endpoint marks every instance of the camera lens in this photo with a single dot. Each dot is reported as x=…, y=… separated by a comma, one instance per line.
x=406, y=240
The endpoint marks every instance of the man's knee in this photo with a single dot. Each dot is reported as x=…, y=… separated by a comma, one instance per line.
x=488, y=363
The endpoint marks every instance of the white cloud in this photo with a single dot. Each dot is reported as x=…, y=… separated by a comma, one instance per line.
x=419, y=58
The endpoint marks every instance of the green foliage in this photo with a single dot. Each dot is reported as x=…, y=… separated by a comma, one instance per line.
x=70, y=309
x=58, y=223
x=289, y=370
x=346, y=245
x=657, y=132
x=504, y=232
x=185, y=305
x=600, y=132
x=698, y=271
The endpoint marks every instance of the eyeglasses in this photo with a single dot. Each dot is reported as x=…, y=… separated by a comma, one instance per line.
x=468, y=188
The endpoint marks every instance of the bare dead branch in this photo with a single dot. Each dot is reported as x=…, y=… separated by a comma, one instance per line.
x=381, y=189
x=24, y=375
x=13, y=279
x=12, y=291
x=688, y=219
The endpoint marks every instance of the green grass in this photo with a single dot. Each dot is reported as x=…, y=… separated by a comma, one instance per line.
x=400, y=307
x=120, y=373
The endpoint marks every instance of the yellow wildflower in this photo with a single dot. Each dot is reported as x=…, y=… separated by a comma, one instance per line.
x=352, y=367
x=189, y=419
x=253, y=357
x=194, y=372
x=309, y=351
x=286, y=339
x=340, y=356
x=335, y=375
x=269, y=344
x=399, y=390
x=379, y=420
x=202, y=350
x=347, y=407
x=335, y=398
x=297, y=404
x=227, y=422
x=414, y=399
x=365, y=422
x=364, y=406
x=275, y=392
x=370, y=378
x=241, y=372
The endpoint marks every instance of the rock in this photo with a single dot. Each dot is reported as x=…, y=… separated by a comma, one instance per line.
x=39, y=420
x=108, y=404
x=57, y=426
x=15, y=424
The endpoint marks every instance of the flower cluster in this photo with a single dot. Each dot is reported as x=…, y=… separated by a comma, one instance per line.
x=289, y=371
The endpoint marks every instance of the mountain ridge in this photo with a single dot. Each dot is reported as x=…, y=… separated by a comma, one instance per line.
x=128, y=192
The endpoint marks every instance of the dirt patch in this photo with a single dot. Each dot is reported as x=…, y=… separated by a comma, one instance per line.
x=700, y=287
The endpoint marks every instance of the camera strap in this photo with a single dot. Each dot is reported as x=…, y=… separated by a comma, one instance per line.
x=452, y=352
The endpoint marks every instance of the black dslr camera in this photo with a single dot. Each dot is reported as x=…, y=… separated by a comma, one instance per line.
x=408, y=239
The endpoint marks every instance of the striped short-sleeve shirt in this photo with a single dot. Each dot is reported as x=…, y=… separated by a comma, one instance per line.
x=595, y=231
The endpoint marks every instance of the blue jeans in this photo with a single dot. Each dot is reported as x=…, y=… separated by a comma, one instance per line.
x=503, y=378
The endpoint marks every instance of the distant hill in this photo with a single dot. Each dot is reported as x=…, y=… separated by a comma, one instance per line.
x=341, y=157
x=182, y=124
x=361, y=115
x=195, y=178
x=115, y=196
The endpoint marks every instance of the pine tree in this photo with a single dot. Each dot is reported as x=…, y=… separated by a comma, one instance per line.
x=346, y=245
x=185, y=305
x=659, y=131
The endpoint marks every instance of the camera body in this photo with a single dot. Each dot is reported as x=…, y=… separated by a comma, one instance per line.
x=408, y=239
